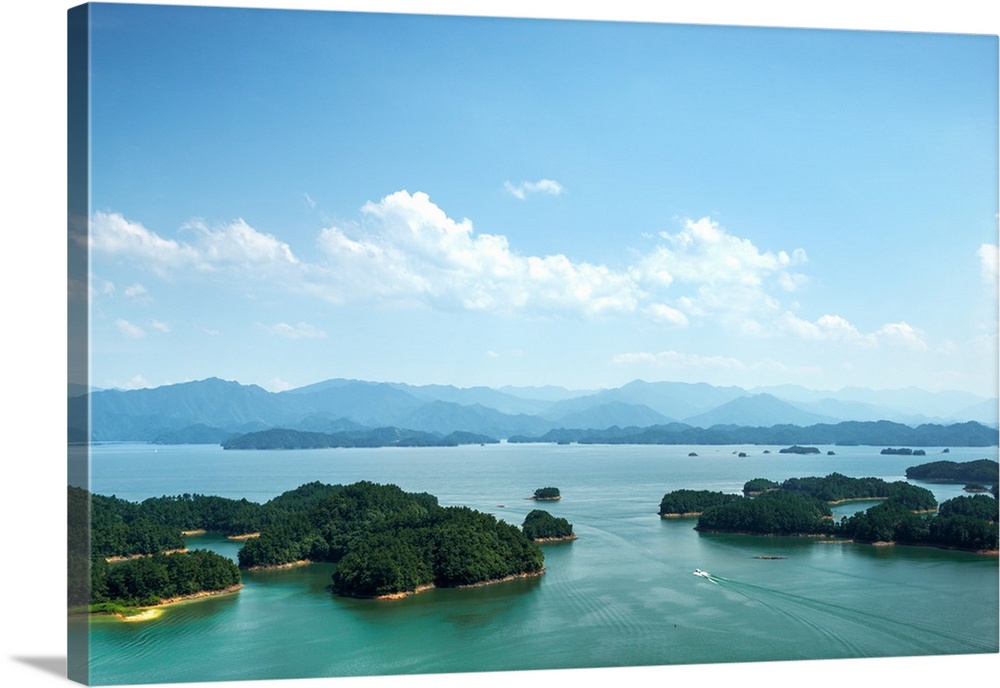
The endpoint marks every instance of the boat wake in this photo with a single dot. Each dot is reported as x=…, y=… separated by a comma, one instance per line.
x=837, y=622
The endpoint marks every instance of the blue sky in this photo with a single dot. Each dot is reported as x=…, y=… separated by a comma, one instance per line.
x=281, y=197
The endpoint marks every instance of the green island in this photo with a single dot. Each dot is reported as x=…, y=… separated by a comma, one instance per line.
x=757, y=485
x=977, y=471
x=903, y=451
x=796, y=449
x=689, y=503
x=907, y=514
x=547, y=494
x=385, y=542
x=541, y=527
x=134, y=560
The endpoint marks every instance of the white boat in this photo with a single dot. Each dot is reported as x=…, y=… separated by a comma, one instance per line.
x=703, y=574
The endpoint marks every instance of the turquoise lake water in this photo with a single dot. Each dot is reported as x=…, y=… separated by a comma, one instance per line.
x=623, y=594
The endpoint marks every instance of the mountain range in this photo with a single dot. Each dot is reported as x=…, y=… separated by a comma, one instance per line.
x=213, y=410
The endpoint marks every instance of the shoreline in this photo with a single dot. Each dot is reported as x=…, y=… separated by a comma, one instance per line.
x=564, y=538
x=431, y=586
x=244, y=536
x=130, y=557
x=686, y=514
x=154, y=611
x=279, y=567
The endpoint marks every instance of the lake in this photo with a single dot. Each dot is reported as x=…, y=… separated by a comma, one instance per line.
x=623, y=594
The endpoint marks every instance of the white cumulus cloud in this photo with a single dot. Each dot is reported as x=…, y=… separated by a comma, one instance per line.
x=411, y=250
x=235, y=245
x=708, y=271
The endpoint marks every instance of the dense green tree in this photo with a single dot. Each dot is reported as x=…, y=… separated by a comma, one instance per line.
x=547, y=493
x=886, y=522
x=149, y=580
x=979, y=470
x=758, y=485
x=778, y=512
x=686, y=501
x=964, y=532
x=382, y=565
x=837, y=487
x=978, y=506
x=539, y=525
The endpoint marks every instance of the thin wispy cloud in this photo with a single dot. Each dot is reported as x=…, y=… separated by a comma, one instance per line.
x=521, y=191
x=137, y=292
x=989, y=257
x=676, y=359
x=129, y=330
x=298, y=331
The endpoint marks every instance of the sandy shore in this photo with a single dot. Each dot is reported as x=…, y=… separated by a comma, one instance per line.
x=244, y=536
x=686, y=514
x=196, y=531
x=148, y=613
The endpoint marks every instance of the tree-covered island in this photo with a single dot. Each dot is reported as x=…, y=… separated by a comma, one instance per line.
x=903, y=451
x=752, y=488
x=547, y=494
x=130, y=558
x=979, y=471
x=385, y=543
x=541, y=526
x=796, y=449
x=800, y=506
x=690, y=503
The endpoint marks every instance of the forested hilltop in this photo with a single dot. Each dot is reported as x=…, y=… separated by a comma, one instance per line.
x=384, y=541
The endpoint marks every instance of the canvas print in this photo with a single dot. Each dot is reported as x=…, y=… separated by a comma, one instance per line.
x=415, y=344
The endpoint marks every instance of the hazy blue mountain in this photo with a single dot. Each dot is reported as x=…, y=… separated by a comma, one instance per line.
x=911, y=406
x=844, y=410
x=212, y=408
x=371, y=404
x=444, y=417
x=321, y=422
x=913, y=401
x=758, y=411
x=472, y=396
x=614, y=413
x=670, y=399
x=144, y=414
x=985, y=412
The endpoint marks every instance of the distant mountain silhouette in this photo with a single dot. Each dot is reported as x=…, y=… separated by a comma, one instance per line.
x=211, y=410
